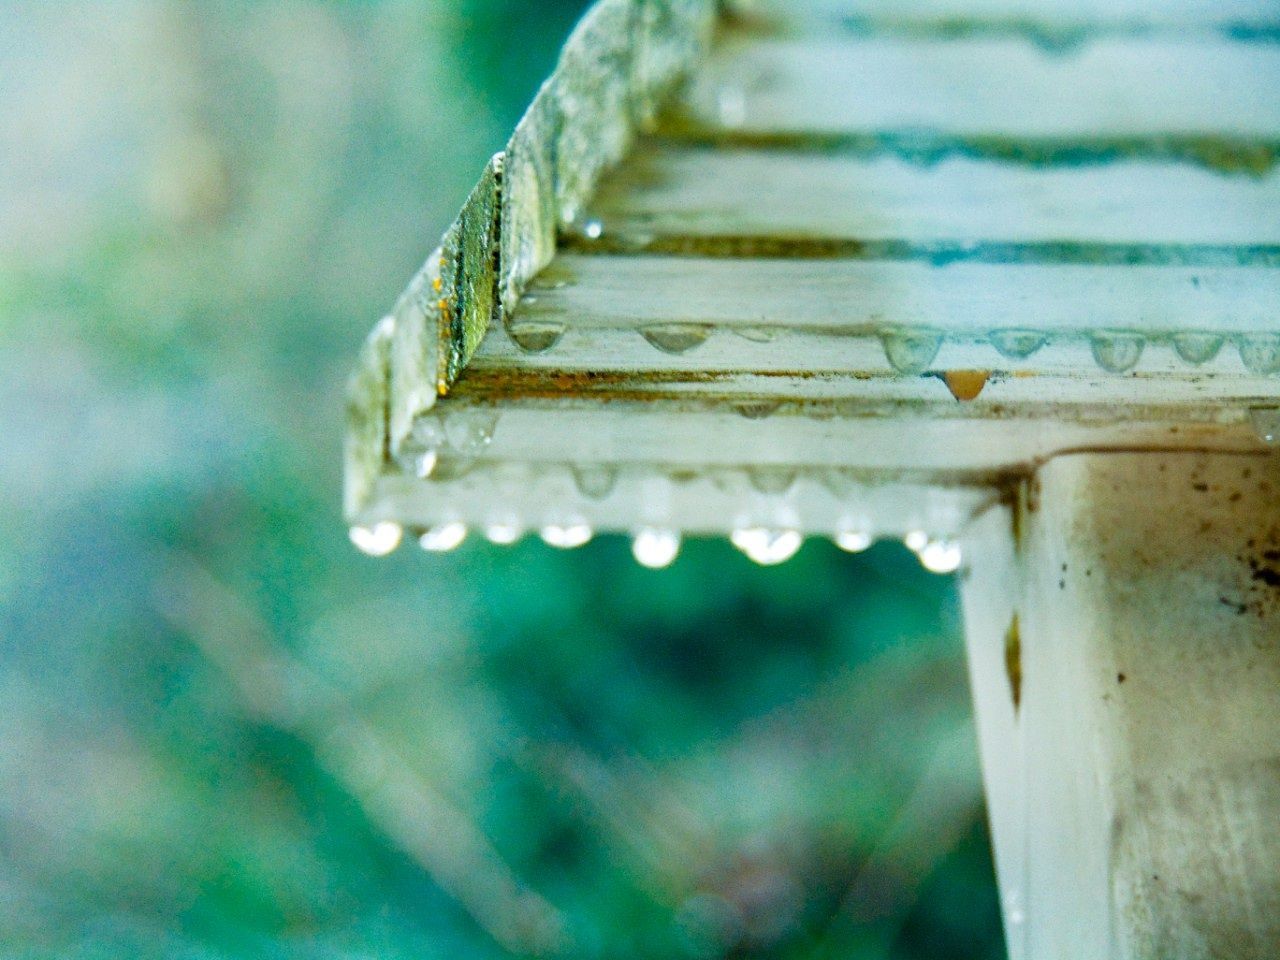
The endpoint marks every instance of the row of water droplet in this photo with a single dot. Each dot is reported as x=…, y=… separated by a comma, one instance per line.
x=434, y=458
x=657, y=547
x=912, y=350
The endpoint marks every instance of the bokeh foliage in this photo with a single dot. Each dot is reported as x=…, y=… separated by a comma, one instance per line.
x=223, y=733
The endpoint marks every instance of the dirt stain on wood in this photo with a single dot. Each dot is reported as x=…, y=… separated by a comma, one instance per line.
x=1013, y=661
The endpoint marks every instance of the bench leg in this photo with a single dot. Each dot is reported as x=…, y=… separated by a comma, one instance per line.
x=1123, y=630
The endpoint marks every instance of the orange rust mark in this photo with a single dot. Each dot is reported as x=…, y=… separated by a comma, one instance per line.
x=965, y=385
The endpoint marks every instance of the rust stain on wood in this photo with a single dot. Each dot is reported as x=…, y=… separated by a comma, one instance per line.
x=966, y=385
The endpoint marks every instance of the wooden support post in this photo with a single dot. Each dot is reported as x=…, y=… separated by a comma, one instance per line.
x=1123, y=626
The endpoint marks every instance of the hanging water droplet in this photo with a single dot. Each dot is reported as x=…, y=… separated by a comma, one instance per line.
x=596, y=481
x=727, y=480
x=772, y=481
x=1266, y=423
x=843, y=483
x=468, y=432
x=941, y=556
x=1017, y=344
x=566, y=536
x=765, y=546
x=911, y=351
x=535, y=336
x=757, y=334
x=676, y=338
x=420, y=449
x=593, y=229
x=503, y=532
x=377, y=540
x=853, y=537
x=1117, y=351
x=425, y=463
x=655, y=547
x=1260, y=352
x=443, y=538
x=758, y=410
x=1197, y=348
x=916, y=540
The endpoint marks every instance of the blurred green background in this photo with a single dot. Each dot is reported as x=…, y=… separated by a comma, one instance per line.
x=223, y=732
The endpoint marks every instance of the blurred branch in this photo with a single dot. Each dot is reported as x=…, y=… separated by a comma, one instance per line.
x=280, y=690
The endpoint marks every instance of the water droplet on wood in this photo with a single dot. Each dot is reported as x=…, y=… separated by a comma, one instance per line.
x=853, y=537
x=468, y=432
x=424, y=463
x=757, y=334
x=941, y=556
x=595, y=482
x=566, y=536
x=535, y=336
x=377, y=540
x=443, y=538
x=765, y=546
x=910, y=351
x=1266, y=423
x=1017, y=344
x=772, y=481
x=676, y=338
x=1117, y=352
x=1260, y=352
x=655, y=548
x=844, y=484
x=503, y=532
x=1197, y=348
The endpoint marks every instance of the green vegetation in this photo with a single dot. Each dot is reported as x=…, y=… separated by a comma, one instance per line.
x=224, y=732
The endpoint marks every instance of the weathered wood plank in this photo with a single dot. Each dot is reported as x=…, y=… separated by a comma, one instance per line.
x=773, y=296
x=1095, y=13
x=790, y=198
x=842, y=330
x=1110, y=89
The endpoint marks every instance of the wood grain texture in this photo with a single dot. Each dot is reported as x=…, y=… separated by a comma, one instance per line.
x=691, y=192
x=1000, y=87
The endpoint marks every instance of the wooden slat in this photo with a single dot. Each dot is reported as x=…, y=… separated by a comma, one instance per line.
x=831, y=331
x=1180, y=13
x=852, y=297
x=1110, y=88
x=779, y=196
x=920, y=440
